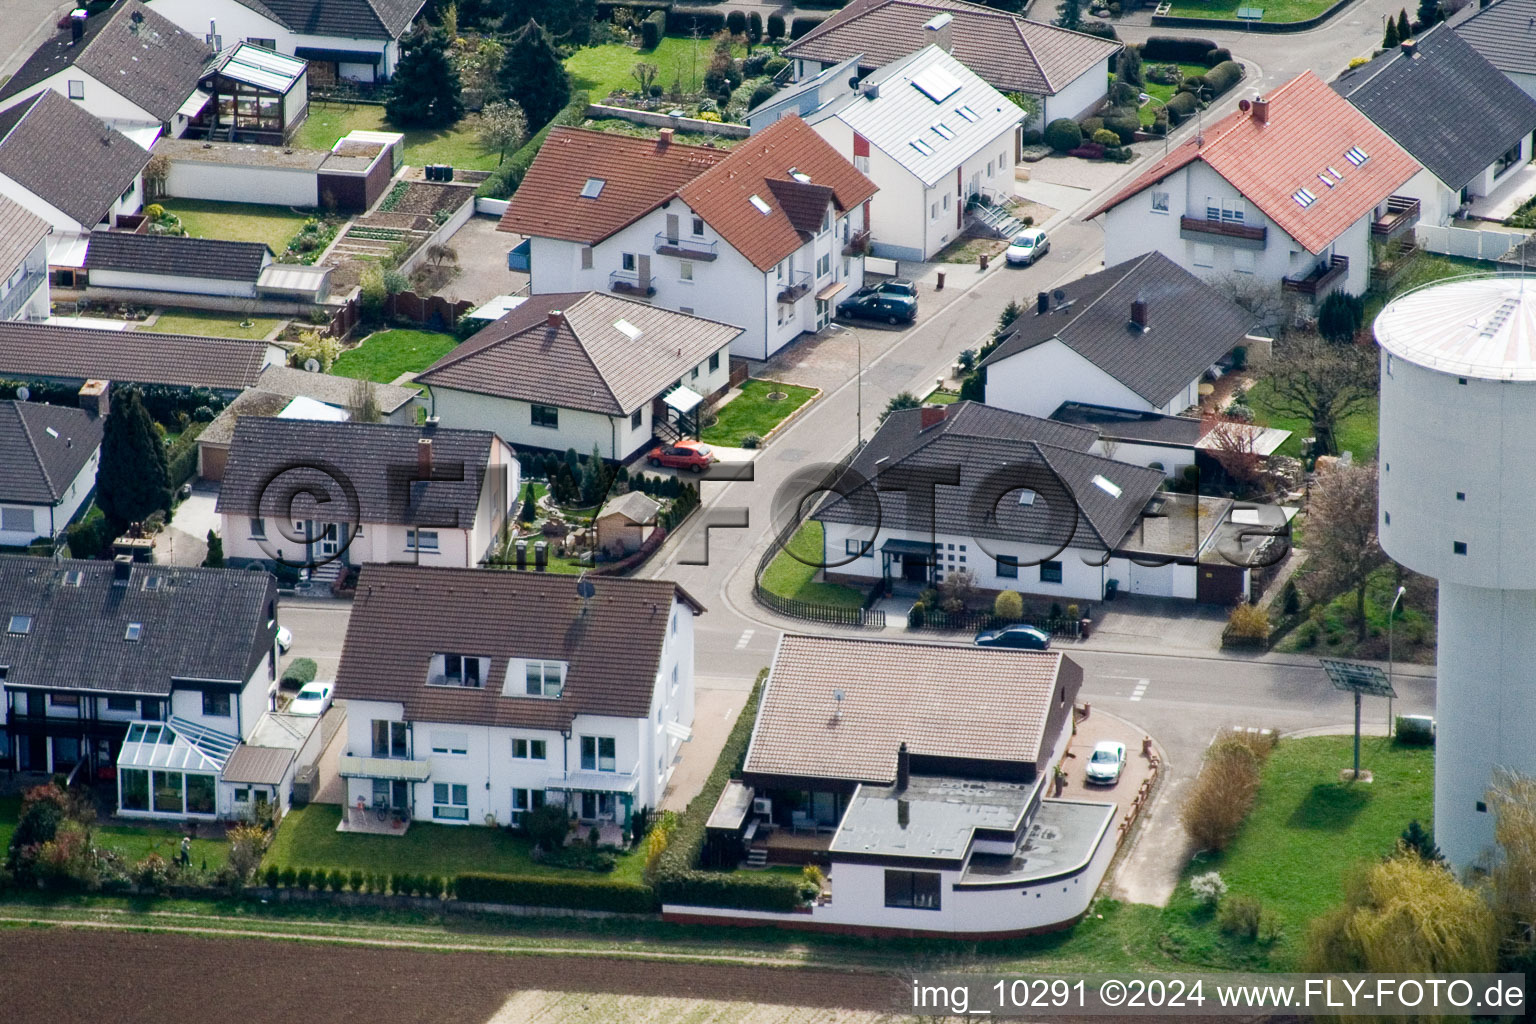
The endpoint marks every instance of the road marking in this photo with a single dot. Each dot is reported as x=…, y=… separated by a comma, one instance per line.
x=746, y=638
x=1140, y=690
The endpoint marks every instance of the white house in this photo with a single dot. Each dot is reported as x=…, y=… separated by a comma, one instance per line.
x=1502, y=33
x=48, y=456
x=325, y=494
x=934, y=137
x=1454, y=112
x=583, y=371
x=23, y=263
x=763, y=236
x=175, y=264
x=474, y=696
x=1068, y=72
x=357, y=40
x=1290, y=190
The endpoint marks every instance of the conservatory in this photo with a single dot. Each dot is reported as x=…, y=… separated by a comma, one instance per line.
x=250, y=94
x=171, y=770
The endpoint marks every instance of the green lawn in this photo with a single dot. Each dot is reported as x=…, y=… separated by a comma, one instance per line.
x=787, y=576
x=940, y=397
x=1330, y=631
x=308, y=838
x=751, y=412
x=386, y=355
x=1355, y=433
x=238, y=222
x=456, y=145
x=131, y=842
x=216, y=325
x=1275, y=11
x=602, y=69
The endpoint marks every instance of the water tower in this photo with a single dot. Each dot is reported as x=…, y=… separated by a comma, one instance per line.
x=1458, y=503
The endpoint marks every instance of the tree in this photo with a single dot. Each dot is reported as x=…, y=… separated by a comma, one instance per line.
x=547, y=826
x=1009, y=604
x=1233, y=443
x=501, y=126
x=1069, y=14
x=155, y=173
x=1341, y=535
x=1260, y=300
x=1340, y=317
x=1128, y=70
x=215, y=557
x=363, y=404
x=477, y=59
x=754, y=28
x=569, y=21
x=531, y=73
x=1419, y=841
x=1322, y=383
x=1222, y=795
x=247, y=842
x=1429, y=15
x=425, y=92
x=530, y=508
x=645, y=73
x=904, y=400
x=1403, y=30
x=132, y=482
x=1005, y=319
x=721, y=76
x=1389, y=38
x=775, y=27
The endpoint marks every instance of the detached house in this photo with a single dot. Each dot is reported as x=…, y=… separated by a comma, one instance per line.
x=48, y=456
x=763, y=236
x=475, y=696
x=23, y=263
x=1293, y=190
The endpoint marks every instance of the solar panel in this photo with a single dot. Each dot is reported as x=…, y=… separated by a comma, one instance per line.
x=1353, y=677
x=936, y=83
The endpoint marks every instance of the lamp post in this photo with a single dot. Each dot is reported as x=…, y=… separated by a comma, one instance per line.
x=1391, y=622
x=859, y=381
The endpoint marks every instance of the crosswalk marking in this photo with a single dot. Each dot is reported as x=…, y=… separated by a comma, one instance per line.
x=746, y=638
x=1140, y=690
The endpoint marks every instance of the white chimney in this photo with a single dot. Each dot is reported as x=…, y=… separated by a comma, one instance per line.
x=936, y=32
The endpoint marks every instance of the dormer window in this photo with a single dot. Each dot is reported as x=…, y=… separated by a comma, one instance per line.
x=541, y=678
x=464, y=670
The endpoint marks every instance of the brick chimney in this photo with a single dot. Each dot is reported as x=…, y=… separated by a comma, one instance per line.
x=1259, y=110
x=555, y=319
x=663, y=140
x=1409, y=47
x=937, y=32
x=933, y=415
x=95, y=397
x=424, y=458
x=1139, y=313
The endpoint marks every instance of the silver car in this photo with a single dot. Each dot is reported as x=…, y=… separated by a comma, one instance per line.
x=1106, y=763
x=1026, y=247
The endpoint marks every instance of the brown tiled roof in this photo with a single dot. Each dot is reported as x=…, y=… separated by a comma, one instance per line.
x=722, y=194
x=805, y=205
x=405, y=614
x=20, y=231
x=1009, y=52
x=585, y=363
x=942, y=700
x=79, y=353
x=638, y=175
x=66, y=157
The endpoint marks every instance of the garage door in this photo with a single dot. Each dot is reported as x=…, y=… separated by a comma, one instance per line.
x=1219, y=584
x=1152, y=580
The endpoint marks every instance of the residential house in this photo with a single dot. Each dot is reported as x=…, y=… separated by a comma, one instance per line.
x=74, y=355
x=156, y=672
x=477, y=696
x=343, y=40
x=23, y=263
x=250, y=93
x=48, y=456
x=626, y=522
x=936, y=139
x=1022, y=503
x=807, y=95
x=67, y=167
x=1067, y=71
x=1290, y=190
x=917, y=774
x=175, y=264
x=329, y=494
x=1505, y=34
x=1454, y=112
x=1171, y=443
x=127, y=66
x=764, y=236
x=1140, y=335
x=583, y=370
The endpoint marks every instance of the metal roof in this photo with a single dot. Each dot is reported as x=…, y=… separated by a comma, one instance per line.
x=1476, y=326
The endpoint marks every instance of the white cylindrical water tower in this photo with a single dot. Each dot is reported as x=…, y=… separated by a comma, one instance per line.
x=1458, y=503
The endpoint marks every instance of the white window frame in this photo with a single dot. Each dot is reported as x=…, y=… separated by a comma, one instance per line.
x=77, y=88
x=597, y=760
x=21, y=515
x=450, y=801
x=532, y=750
x=685, y=271
x=421, y=540
x=454, y=744
x=1160, y=201
x=551, y=678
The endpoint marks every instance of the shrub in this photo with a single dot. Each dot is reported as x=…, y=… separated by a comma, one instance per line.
x=738, y=890
x=1217, y=56
x=917, y=617
x=752, y=441
x=505, y=179
x=736, y=23
x=1123, y=94
x=1222, y=795
x=272, y=875
x=1208, y=888
x=683, y=23
x=1063, y=135
x=764, y=92
x=301, y=671
x=801, y=25
x=541, y=891
x=1340, y=317
x=547, y=826
x=1239, y=915
x=1413, y=731
x=1248, y=622
x=1091, y=126
x=1224, y=76
x=246, y=845
x=303, y=878
x=1177, y=49
x=357, y=880
x=288, y=878
x=775, y=27
x=1199, y=85
x=773, y=65
x=1124, y=129
x=1102, y=29
x=1008, y=605
x=1105, y=137
x=1181, y=108
x=1088, y=151
x=1290, y=598
x=652, y=29
x=1164, y=74
x=754, y=28
x=1261, y=743
x=336, y=881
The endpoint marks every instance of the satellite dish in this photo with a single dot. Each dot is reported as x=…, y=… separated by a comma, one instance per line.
x=23, y=393
x=312, y=365
x=584, y=588
x=1244, y=106
x=1058, y=294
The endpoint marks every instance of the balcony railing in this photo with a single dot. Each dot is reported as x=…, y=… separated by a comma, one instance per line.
x=1402, y=214
x=17, y=297
x=858, y=244
x=1229, y=232
x=1321, y=280
x=602, y=780
x=799, y=284
x=628, y=282
x=686, y=248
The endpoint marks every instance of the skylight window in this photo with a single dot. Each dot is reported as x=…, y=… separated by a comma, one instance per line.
x=1356, y=156
x=1026, y=496
x=967, y=113
x=1304, y=197
x=944, y=130
x=154, y=582
x=800, y=176
x=1335, y=173
x=593, y=188
x=936, y=83
x=74, y=578
x=922, y=147
x=52, y=433
x=134, y=632
x=627, y=329
x=1325, y=179
x=757, y=201
x=1107, y=485
x=20, y=625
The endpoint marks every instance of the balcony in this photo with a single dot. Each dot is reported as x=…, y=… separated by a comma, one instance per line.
x=1224, y=232
x=1322, y=280
x=685, y=248
x=1402, y=214
x=595, y=780
x=799, y=284
x=628, y=282
x=12, y=301
x=355, y=766
x=858, y=245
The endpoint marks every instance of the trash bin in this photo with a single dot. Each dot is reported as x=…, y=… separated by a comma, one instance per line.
x=984, y=260
x=940, y=286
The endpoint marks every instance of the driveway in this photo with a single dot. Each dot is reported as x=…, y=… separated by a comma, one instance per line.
x=483, y=272
x=185, y=540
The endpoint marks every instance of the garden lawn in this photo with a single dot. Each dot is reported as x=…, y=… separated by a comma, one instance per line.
x=384, y=356
x=308, y=838
x=131, y=842
x=752, y=413
x=1161, y=93
x=1355, y=433
x=1275, y=11
x=456, y=145
x=602, y=69
x=215, y=325
x=788, y=576
x=238, y=222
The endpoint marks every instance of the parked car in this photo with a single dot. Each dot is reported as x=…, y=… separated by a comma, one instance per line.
x=1026, y=247
x=1021, y=637
x=872, y=305
x=1106, y=763
x=313, y=699
x=284, y=639
x=690, y=455
x=895, y=286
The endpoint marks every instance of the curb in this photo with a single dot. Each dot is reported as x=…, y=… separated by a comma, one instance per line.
x=1236, y=25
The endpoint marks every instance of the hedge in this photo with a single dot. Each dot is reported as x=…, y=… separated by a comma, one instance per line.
x=505, y=179
x=1224, y=76
x=1176, y=49
x=652, y=29
x=800, y=26
x=301, y=671
x=1219, y=55
x=739, y=890
x=181, y=457
x=682, y=23
x=1182, y=107
x=608, y=894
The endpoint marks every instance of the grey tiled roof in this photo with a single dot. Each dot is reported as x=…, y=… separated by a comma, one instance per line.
x=77, y=633
x=66, y=157
x=1445, y=104
x=85, y=353
x=177, y=255
x=20, y=231
x=1504, y=33
x=354, y=19
x=1129, y=425
x=1192, y=325
x=332, y=390
x=36, y=466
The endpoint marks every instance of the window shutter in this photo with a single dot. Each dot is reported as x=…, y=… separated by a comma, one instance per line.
x=586, y=257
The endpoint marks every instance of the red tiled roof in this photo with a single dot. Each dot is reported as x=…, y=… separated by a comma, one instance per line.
x=638, y=175
x=760, y=167
x=1310, y=128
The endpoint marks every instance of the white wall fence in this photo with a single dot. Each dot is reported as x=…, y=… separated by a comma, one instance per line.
x=491, y=207
x=1470, y=243
x=444, y=231
x=659, y=120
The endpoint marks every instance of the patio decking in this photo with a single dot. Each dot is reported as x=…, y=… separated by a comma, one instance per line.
x=784, y=846
x=366, y=822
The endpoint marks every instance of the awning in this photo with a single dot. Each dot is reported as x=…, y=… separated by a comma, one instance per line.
x=69, y=251
x=593, y=782
x=498, y=307
x=679, y=731
x=830, y=290
x=732, y=808
x=194, y=104
x=339, y=56
x=683, y=398
x=897, y=546
x=354, y=767
x=295, y=278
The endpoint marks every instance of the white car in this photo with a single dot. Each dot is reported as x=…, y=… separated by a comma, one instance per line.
x=313, y=699
x=1026, y=247
x=1106, y=763
x=284, y=639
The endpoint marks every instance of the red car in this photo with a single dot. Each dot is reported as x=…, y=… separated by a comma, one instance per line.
x=690, y=455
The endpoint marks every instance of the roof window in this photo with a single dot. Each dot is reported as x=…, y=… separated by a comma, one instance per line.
x=73, y=578
x=757, y=201
x=20, y=625
x=922, y=147
x=1333, y=171
x=1026, y=496
x=593, y=188
x=1356, y=156
x=944, y=130
x=800, y=176
x=967, y=113
x=154, y=582
x=52, y=433
x=134, y=632
x=1304, y=197
x=1106, y=485
x=1325, y=179
x=627, y=329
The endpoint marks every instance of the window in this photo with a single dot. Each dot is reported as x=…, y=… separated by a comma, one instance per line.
x=1230, y=210
x=916, y=890
x=946, y=200
x=421, y=540
x=693, y=374
x=544, y=678
x=859, y=548
x=389, y=739
x=134, y=633
x=1159, y=202
x=861, y=164
x=1461, y=495
x=525, y=800
x=824, y=265
x=1050, y=572
x=989, y=168
x=243, y=794
x=1458, y=547
x=1008, y=567
x=446, y=742
x=922, y=147
x=1204, y=255
x=586, y=257
x=200, y=794
x=76, y=89
x=714, y=362
x=759, y=204
x=593, y=188
x=167, y=792
x=684, y=271
x=20, y=625
x=826, y=220
x=450, y=801
x=635, y=419
x=933, y=211
x=64, y=700
x=17, y=520
x=459, y=670
x=216, y=705
x=698, y=225
x=1356, y=156
x=943, y=131
x=781, y=314
x=126, y=193
x=674, y=679
x=258, y=529
x=1242, y=261
x=1303, y=197
x=628, y=260
x=135, y=789
x=122, y=704
x=778, y=271
x=270, y=44
x=597, y=754
x=1388, y=517
x=531, y=750
x=545, y=416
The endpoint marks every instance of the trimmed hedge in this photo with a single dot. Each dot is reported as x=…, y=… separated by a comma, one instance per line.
x=681, y=23
x=1123, y=128
x=652, y=29
x=505, y=179
x=1224, y=76
x=1177, y=49
x=299, y=672
x=739, y=890
x=1182, y=107
x=542, y=891
x=800, y=26
x=1219, y=55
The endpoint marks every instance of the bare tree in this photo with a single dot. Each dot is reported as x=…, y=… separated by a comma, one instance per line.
x=1341, y=534
x=441, y=252
x=645, y=73
x=1323, y=383
x=1260, y=300
x=502, y=126
x=1234, y=445
x=364, y=406
x=155, y=174
x=1222, y=795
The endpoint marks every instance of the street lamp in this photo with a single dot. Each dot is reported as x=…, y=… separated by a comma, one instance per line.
x=1391, y=621
x=859, y=379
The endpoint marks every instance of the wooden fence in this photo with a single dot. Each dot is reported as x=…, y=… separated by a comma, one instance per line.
x=429, y=311
x=346, y=318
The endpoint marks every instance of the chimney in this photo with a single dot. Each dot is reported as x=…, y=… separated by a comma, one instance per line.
x=871, y=90
x=76, y=26
x=522, y=554
x=555, y=319
x=95, y=397
x=540, y=555
x=1410, y=47
x=1139, y=313
x=1042, y=303
x=424, y=458
x=936, y=32
x=903, y=768
x=933, y=415
x=663, y=140
x=1259, y=110
x=122, y=568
